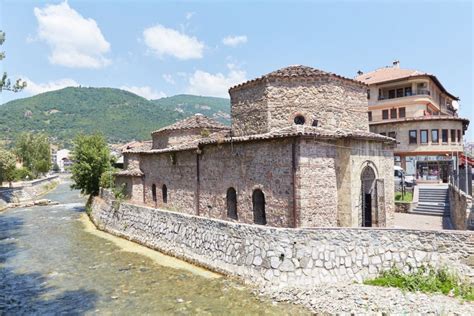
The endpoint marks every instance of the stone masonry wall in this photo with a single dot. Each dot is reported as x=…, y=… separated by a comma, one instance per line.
x=284, y=256
x=245, y=167
x=460, y=207
x=249, y=110
x=175, y=170
x=335, y=103
x=317, y=191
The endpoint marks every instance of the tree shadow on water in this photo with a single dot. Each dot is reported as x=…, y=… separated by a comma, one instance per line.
x=29, y=293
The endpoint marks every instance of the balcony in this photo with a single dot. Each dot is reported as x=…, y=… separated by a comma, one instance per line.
x=406, y=94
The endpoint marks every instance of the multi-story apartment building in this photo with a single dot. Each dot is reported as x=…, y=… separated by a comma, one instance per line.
x=414, y=108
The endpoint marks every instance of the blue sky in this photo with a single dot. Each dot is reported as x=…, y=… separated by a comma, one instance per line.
x=163, y=48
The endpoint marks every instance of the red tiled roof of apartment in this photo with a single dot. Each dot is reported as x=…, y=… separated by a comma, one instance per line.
x=394, y=73
x=295, y=71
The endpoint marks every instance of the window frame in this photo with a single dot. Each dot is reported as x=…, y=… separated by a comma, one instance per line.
x=393, y=113
x=400, y=112
x=412, y=140
x=435, y=140
x=385, y=117
x=392, y=134
x=444, y=132
x=424, y=132
x=453, y=136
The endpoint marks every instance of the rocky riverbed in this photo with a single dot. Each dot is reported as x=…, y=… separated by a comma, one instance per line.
x=366, y=299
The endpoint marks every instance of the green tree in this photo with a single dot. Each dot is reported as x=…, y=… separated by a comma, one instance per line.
x=34, y=152
x=5, y=83
x=7, y=166
x=91, y=158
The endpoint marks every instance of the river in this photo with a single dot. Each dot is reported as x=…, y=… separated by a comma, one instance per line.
x=53, y=261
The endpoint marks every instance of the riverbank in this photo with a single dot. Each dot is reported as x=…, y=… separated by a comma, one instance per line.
x=314, y=267
x=27, y=193
x=50, y=263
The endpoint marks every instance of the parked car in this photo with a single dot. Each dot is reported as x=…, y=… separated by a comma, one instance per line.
x=400, y=175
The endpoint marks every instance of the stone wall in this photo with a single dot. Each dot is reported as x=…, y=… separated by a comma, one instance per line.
x=264, y=165
x=249, y=110
x=284, y=256
x=25, y=190
x=273, y=104
x=333, y=102
x=460, y=208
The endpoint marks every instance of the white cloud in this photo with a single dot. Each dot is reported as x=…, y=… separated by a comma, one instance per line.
x=75, y=41
x=165, y=41
x=189, y=15
x=234, y=40
x=169, y=78
x=36, y=88
x=145, y=91
x=204, y=83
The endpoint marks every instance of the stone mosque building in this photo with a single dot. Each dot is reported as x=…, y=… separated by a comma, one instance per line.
x=298, y=154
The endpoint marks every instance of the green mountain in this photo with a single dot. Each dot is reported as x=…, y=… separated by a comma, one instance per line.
x=120, y=115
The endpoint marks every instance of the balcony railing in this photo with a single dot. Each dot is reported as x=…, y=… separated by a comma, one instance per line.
x=406, y=94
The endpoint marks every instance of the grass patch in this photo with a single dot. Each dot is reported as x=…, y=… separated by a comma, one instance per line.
x=407, y=198
x=427, y=280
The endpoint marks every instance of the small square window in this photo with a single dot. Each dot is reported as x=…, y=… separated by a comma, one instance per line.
x=391, y=94
x=383, y=134
x=393, y=113
x=401, y=112
x=392, y=135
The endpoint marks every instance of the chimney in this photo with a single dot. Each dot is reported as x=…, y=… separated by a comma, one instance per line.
x=359, y=72
x=396, y=64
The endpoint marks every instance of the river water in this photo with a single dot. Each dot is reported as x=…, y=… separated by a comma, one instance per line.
x=52, y=261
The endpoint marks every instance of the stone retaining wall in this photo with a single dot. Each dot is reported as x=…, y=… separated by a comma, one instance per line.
x=460, y=207
x=25, y=190
x=283, y=256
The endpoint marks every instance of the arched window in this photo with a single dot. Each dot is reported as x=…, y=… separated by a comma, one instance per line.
x=258, y=201
x=153, y=192
x=164, y=193
x=231, y=203
x=299, y=120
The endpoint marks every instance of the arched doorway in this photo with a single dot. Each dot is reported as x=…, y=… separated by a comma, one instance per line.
x=368, y=196
x=231, y=198
x=153, y=193
x=164, y=193
x=258, y=201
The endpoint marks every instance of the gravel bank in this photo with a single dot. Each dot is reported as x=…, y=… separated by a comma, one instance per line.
x=365, y=299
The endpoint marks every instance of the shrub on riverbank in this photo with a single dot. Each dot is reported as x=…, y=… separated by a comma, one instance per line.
x=427, y=280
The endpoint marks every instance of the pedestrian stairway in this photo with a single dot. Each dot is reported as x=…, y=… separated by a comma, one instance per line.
x=433, y=200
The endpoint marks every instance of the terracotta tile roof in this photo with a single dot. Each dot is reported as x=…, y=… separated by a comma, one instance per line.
x=195, y=121
x=388, y=74
x=295, y=71
x=183, y=146
x=292, y=131
x=302, y=130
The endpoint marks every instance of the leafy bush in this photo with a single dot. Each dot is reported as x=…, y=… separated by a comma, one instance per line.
x=22, y=174
x=426, y=279
x=107, y=179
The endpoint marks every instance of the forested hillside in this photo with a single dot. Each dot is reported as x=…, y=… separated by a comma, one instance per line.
x=120, y=115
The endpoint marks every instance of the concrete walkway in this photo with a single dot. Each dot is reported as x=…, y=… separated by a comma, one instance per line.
x=414, y=221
